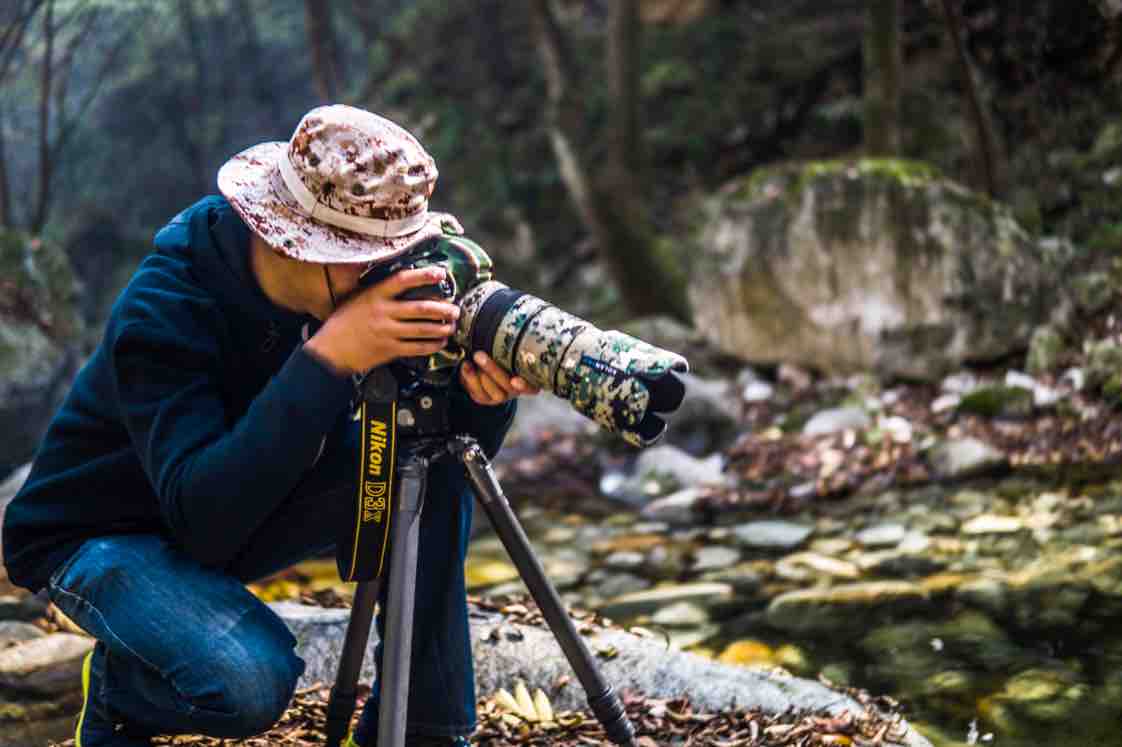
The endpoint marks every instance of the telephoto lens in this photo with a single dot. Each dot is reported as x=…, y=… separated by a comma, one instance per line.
x=622, y=383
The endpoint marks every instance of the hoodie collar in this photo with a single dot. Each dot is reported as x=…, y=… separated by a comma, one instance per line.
x=217, y=241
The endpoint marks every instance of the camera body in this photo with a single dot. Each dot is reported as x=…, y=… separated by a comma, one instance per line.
x=622, y=383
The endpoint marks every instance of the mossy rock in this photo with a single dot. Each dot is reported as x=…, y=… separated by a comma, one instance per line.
x=1112, y=390
x=1045, y=348
x=1104, y=361
x=997, y=401
x=868, y=264
x=38, y=286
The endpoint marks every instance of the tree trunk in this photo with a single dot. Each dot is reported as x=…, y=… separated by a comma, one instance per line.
x=251, y=46
x=610, y=201
x=882, y=78
x=321, y=43
x=982, y=124
x=6, y=220
x=40, y=215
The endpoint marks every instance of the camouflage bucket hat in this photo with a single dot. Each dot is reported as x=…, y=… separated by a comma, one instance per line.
x=350, y=186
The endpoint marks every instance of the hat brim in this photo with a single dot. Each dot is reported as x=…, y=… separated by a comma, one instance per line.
x=252, y=183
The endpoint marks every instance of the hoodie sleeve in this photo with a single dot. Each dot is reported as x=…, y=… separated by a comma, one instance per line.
x=217, y=478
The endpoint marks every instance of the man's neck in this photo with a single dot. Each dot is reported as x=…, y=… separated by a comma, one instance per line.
x=285, y=282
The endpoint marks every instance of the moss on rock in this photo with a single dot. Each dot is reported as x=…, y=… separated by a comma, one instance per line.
x=997, y=401
x=38, y=286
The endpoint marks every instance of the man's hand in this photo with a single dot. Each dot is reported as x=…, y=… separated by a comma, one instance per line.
x=373, y=327
x=487, y=383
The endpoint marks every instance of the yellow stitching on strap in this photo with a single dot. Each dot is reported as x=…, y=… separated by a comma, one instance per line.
x=361, y=473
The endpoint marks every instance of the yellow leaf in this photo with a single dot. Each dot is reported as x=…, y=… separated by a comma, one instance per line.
x=525, y=702
x=542, y=705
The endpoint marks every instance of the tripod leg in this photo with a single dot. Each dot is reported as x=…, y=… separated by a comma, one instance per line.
x=601, y=697
x=398, y=645
x=341, y=704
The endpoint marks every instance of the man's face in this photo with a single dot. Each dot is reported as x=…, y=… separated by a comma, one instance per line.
x=344, y=279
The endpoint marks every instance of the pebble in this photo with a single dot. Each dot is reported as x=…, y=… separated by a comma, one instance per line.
x=992, y=524
x=882, y=535
x=963, y=457
x=772, y=534
x=624, y=560
x=805, y=565
x=650, y=600
x=677, y=508
x=680, y=614
x=715, y=557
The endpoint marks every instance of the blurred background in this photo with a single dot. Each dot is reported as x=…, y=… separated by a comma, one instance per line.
x=886, y=233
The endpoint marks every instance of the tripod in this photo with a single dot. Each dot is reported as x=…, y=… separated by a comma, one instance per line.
x=409, y=496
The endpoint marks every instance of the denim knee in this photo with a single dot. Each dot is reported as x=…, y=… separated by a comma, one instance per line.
x=252, y=691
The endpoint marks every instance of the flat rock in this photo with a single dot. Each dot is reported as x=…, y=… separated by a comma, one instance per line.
x=505, y=652
x=649, y=600
x=25, y=607
x=13, y=632
x=45, y=666
x=841, y=608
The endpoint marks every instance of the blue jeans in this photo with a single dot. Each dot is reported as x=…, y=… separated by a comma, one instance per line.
x=188, y=649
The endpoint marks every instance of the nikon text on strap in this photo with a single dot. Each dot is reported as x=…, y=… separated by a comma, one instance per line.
x=362, y=558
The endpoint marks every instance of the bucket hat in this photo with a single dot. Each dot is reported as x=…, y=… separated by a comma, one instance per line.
x=350, y=186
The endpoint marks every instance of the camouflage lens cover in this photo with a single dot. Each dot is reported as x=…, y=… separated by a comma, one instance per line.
x=621, y=383
x=511, y=328
x=470, y=306
x=543, y=345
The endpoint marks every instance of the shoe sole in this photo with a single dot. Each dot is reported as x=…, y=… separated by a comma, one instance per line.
x=86, y=663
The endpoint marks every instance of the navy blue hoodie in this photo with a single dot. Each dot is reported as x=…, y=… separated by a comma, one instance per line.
x=197, y=414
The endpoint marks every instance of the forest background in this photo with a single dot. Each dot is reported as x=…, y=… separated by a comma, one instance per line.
x=573, y=138
x=611, y=156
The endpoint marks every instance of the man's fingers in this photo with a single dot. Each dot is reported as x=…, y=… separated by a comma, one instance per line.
x=522, y=386
x=406, y=279
x=472, y=379
x=495, y=373
x=421, y=330
x=407, y=348
x=438, y=311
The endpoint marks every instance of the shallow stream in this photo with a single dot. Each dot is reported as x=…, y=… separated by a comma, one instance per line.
x=989, y=611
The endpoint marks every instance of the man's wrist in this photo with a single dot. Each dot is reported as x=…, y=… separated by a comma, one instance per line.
x=316, y=348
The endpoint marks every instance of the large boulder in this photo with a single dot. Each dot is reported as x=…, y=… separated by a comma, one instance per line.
x=881, y=264
x=39, y=333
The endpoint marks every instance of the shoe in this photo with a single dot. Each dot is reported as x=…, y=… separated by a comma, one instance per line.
x=96, y=727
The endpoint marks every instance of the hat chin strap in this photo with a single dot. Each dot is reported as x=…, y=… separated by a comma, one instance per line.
x=376, y=227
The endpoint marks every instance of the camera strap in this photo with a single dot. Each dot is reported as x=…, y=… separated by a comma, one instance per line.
x=362, y=558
